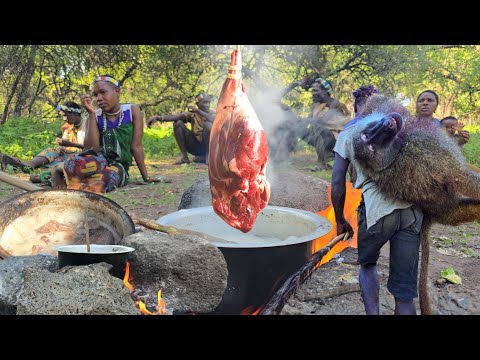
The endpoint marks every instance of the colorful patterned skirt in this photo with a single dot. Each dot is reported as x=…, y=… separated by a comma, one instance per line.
x=54, y=156
x=92, y=173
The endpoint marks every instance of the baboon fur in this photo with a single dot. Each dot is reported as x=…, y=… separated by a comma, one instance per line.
x=417, y=162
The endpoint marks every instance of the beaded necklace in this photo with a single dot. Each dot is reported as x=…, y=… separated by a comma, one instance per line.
x=122, y=114
x=115, y=113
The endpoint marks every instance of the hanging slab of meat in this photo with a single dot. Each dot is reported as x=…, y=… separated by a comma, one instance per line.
x=238, y=155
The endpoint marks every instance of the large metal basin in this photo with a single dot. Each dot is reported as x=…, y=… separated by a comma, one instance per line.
x=38, y=221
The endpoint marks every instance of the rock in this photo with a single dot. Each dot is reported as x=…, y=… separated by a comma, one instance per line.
x=74, y=290
x=11, y=277
x=191, y=272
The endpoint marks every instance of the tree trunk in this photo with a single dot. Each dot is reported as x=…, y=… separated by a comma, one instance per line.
x=448, y=105
x=13, y=90
x=27, y=74
x=14, y=67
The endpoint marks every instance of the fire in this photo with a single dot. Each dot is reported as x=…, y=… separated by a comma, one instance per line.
x=250, y=310
x=352, y=200
x=160, y=308
x=127, y=277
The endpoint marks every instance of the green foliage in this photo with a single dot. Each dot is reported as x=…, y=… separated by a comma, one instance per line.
x=163, y=79
x=159, y=141
x=471, y=150
x=470, y=252
x=449, y=274
x=25, y=137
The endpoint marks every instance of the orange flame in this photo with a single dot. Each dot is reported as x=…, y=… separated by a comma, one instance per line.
x=127, y=277
x=352, y=200
x=161, y=303
x=160, y=308
x=250, y=310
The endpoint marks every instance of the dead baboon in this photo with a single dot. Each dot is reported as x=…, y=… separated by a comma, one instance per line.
x=416, y=161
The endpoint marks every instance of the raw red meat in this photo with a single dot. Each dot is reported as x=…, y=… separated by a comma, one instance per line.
x=238, y=155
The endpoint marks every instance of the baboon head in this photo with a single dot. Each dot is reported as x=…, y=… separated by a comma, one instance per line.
x=378, y=144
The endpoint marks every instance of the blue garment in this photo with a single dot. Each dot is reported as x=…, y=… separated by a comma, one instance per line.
x=353, y=121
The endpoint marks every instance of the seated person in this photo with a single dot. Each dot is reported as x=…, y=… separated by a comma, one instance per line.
x=326, y=119
x=195, y=141
x=73, y=135
x=323, y=101
x=455, y=129
x=112, y=140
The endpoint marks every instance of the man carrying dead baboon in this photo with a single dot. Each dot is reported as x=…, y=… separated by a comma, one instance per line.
x=380, y=219
x=415, y=163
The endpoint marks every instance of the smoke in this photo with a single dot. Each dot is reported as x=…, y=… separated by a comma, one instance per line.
x=275, y=120
x=264, y=86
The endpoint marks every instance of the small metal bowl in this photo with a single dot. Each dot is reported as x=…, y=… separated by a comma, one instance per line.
x=116, y=255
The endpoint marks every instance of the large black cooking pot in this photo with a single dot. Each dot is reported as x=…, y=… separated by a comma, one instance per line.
x=39, y=221
x=260, y=261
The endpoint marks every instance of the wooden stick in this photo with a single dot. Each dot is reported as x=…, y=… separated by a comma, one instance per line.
x=12, y=180
x=336, y=291
x=279, y=299
x=170, y=230
x=87, y=232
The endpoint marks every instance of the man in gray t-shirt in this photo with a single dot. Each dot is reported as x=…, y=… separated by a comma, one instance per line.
x=380, y=219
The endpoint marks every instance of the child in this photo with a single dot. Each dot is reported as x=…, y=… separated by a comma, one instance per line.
x=73, y=134
x=455, y=129
x=114, y=134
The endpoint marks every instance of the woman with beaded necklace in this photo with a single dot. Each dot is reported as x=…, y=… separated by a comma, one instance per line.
x=114, y=134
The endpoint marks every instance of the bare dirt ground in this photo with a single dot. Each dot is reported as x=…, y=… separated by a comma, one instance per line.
x=333, y=288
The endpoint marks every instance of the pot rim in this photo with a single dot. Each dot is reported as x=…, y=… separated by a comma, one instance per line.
x=94, y=249
x=322, y=226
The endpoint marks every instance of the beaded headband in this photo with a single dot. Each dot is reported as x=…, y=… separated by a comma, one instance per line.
x=325, y=84
x=106, y=78
x=69, y=109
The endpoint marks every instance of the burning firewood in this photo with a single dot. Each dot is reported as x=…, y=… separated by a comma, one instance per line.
x=238, y=155
x=278, y=301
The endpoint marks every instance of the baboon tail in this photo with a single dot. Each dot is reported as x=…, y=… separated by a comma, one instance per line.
x=425, y=307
